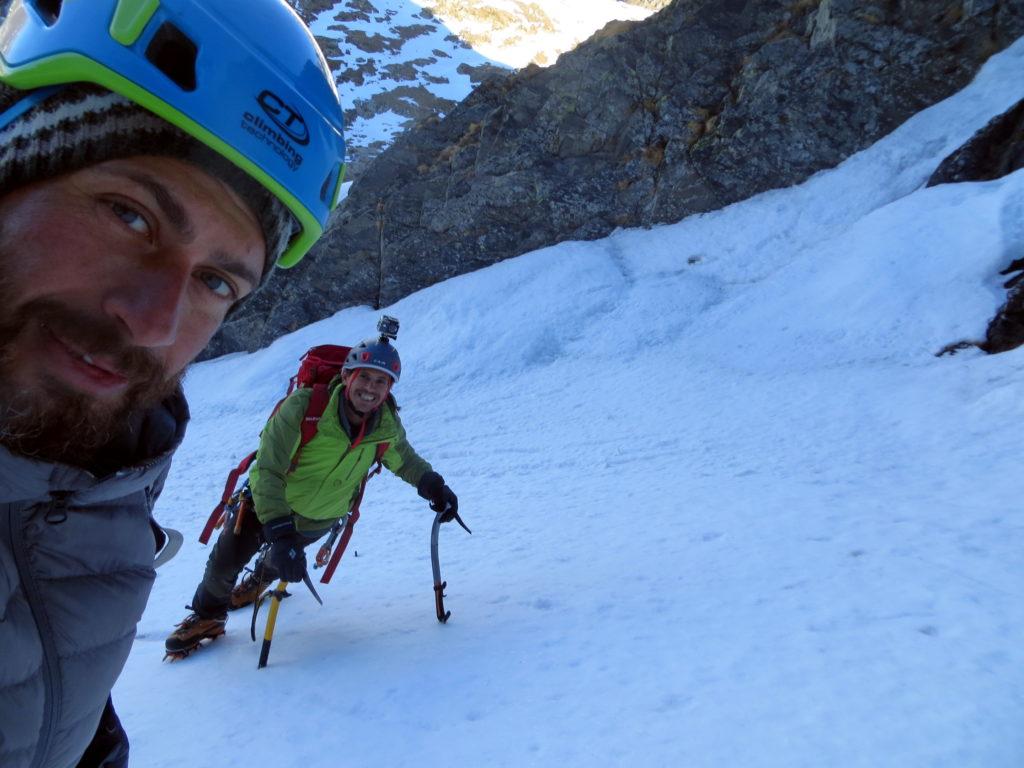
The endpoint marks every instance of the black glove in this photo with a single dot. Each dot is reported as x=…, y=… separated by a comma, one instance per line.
x=286, y=555
x=442, y=499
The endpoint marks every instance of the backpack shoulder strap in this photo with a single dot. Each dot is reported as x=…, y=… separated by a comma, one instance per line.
x=217, y=515
x=320, y=395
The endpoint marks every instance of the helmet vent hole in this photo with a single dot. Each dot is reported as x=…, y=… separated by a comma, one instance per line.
x=48, y=10
x=174, y=54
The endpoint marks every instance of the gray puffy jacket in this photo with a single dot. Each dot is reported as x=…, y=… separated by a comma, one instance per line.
x=76, y=569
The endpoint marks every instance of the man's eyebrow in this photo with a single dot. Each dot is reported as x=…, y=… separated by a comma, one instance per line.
x=231, y=265
x=172, y=209
x=179, y=219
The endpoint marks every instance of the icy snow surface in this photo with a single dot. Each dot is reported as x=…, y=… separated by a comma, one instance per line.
x=728, y=507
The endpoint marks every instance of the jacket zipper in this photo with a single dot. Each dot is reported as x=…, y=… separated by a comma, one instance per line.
x=352, y=470
x=57, y=509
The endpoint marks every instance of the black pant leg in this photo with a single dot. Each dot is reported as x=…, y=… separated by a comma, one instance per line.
x=230, y=554
x=109, y=747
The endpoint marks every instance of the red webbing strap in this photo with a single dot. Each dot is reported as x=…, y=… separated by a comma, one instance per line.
x=339, y=550
x=229, y=486
x=229, y=490
x=353, y=516
x=382, y=448
x=359, y=435
x=311, y=421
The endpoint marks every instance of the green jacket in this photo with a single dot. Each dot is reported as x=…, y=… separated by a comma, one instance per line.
x=323, y=485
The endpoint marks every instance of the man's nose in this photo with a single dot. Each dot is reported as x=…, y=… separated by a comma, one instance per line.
x=150, y=301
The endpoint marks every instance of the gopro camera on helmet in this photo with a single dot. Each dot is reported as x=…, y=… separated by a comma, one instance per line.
x=377, y=352
x=387, y=326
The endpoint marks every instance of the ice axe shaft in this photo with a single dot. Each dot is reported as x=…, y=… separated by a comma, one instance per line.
x=435, y=564
x=442, y=614
x=268, y=634
x=276, y=597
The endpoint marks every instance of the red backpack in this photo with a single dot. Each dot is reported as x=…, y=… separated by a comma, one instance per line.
x=317, y=369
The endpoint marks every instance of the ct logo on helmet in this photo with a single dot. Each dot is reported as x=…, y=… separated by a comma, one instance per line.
x=287, y=118
x=364, y=356
x=396, y=367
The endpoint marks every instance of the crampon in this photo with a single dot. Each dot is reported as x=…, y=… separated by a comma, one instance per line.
x=192, y=634
x=184, y=653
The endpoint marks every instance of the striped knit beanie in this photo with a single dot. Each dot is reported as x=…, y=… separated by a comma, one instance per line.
x=81, y=125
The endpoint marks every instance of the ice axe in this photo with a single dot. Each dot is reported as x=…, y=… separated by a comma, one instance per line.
x=442, y=614
x=276, y=597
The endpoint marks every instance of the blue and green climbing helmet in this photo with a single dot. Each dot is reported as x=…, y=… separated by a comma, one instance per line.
x=245, y=80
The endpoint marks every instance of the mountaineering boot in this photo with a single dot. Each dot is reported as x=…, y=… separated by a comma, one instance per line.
x=250, y=589
x=190, y=633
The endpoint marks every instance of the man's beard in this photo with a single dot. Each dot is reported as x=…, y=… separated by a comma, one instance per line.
x=49, y=421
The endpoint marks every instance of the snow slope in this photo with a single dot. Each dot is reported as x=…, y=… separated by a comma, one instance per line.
x=728, y=507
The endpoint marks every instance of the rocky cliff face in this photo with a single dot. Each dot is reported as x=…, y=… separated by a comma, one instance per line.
x=400, y=61
x=996, y=151
x=703, y=104
x=522, y=32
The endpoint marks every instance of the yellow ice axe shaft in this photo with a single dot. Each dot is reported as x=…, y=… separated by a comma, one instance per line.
x=268, y=633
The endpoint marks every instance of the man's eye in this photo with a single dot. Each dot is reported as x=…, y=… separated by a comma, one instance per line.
x=132, y=218
x=218, y=285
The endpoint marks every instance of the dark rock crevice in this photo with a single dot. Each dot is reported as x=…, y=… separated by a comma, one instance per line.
x=1006, y=330
x=995, y=151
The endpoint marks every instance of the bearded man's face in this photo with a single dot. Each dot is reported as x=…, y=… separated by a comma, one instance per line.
x=48, y=417
x=112, y=279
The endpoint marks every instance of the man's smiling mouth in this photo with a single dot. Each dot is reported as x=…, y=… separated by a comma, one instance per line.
x=97, y=372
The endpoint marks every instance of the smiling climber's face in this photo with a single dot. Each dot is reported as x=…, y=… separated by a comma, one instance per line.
x=366, y=389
